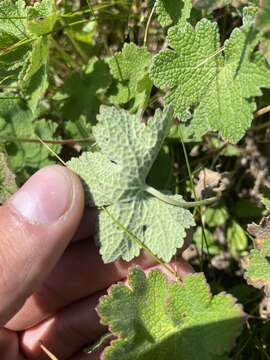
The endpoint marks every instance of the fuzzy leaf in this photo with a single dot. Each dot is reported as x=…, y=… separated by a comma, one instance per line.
x=155, y=319
x=115, y=177
x=131, y=81
x=171, y=12
x=7, y=179
x=222, y=88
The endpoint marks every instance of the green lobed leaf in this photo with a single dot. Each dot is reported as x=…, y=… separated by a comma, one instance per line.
x=156, y=319
x=115, y=178
x=17, y=122
x=129, y=69
x=171, y=12
x=7, y=179
x=222, y=88
x=79, y=96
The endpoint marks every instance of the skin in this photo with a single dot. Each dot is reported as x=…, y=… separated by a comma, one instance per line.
x=51, y=275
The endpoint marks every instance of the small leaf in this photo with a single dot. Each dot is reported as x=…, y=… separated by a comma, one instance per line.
x=115, y=177
x=155, y=319
x=215, y=216
x=236, y=239
x=42, y=17
x=198, y=238
x=131, y=81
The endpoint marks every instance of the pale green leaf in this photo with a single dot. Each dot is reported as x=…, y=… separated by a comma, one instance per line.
x=13, y=19
x=131, y=81
x=171, y=12
x=115, y=177
x=156, y=319
x=222, y=88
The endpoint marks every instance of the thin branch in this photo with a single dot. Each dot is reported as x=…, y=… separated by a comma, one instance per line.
x=52, y=142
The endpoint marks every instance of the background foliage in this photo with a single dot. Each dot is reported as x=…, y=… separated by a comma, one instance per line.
x=59, y=61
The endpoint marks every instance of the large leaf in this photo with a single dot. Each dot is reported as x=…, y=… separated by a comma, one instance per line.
x=115, y=178
x=222, y=88
x=154, y=319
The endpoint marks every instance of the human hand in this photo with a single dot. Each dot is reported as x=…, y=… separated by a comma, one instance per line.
x=51, y=275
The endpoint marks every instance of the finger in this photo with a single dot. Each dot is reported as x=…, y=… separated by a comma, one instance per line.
x=79, y=274
x=36, y=225
x=66, y=332
x=87, y=225
x=74, y=327
x=9, y=345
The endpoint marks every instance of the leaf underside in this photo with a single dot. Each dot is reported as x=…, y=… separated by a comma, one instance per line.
x=115, y=178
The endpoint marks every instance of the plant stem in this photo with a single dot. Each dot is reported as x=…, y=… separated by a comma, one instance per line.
x=52, y=142
x=148, y=25
x=173, y=201
x=262, y=111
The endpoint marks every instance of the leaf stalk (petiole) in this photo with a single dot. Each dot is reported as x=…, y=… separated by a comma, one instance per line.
x=173, y=201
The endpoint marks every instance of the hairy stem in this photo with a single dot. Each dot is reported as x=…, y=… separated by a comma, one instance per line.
x=173, y=201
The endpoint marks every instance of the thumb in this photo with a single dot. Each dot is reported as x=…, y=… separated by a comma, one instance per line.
x=36, y=225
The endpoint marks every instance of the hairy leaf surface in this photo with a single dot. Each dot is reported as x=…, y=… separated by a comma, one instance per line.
x=115, y=178
x=154, y=319
x=222, y=88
